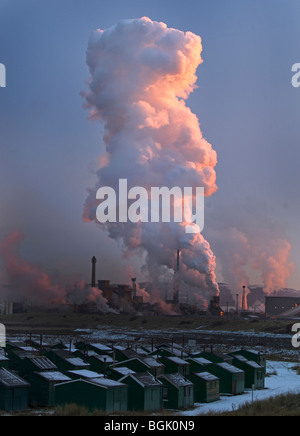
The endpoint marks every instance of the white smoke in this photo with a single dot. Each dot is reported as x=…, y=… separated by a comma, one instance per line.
x=141, y=73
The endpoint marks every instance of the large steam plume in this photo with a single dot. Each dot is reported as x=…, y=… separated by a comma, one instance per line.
x=251, y=242
x=141, y=73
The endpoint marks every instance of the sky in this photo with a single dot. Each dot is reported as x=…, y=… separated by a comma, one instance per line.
x=245, y=103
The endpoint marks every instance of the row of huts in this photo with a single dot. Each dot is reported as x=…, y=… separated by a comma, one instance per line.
x=115, y=379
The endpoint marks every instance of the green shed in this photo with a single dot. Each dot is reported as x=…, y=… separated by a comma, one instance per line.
x=95, y=394
x=16, y=356
x=100, y=363
x=206, y=387
x=174, y=365
x=35, y=363
x=254, y=373
x=232, y=379
x=95, y=347
x=197, y=364
x=178, y=392
x=41, y=392
x=66, y=361
x=136, y=364
x=216, y=357
x=144, y=392
x=252, y=355
x=13, y=391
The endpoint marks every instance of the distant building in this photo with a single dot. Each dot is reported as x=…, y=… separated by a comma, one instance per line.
x=279, y=305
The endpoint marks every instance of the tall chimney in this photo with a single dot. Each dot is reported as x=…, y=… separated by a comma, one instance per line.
x=93, y=282
x=133, y=287
x=243, y=299
x=176, y=280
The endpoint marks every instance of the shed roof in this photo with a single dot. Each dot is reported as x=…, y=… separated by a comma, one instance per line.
x=206, y=376
x=107, y=382
x=86, y=373
x=144, y=379
x=177, y=360
x=42, y=362
x=229, y=368
x=123, y=370
x=100, y=382
x=101, y=347
x=55, y=376
x=176, y=380
x=199, y=360
x=9, y=379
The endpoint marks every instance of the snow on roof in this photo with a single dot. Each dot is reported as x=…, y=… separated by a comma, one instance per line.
x=177, y=360
x=107, y=382
x=207, y=376
x=76, y=361
x=177, y=380
x=146, y=379
x=42, y=362
x=10, y=379
x=101, y=347
x=86, y=373
x=53, y=376
x=229, y=368
x=200, y=360
x=123, y=370
x=152, y=363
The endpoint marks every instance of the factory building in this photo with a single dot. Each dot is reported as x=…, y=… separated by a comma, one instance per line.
x=282, y=306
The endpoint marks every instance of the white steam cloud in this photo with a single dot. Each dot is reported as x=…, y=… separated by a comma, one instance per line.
x=141, y=73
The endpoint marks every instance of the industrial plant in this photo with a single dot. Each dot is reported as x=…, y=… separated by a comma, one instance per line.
x=100, y=295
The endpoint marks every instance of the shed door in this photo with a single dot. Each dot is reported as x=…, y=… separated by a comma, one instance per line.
x=117, y=406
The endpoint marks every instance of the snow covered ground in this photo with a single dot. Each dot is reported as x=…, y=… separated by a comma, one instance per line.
x=285, y=380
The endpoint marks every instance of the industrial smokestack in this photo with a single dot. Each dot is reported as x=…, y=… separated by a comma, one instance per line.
x=244, y=300
x=133, y=287
x=176, y=280
x=93, y=282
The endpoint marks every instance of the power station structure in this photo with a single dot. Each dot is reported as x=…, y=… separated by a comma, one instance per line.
x=123, y=297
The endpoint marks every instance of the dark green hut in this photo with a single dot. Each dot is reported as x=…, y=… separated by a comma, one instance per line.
x=66, y=361
x=232, y=379
x=254, y=373
x=41, y=393
x=13, y=391
x=95, y=394
x=178, y=392
x=197, y=364
x=35, y=363
x=206, y=387
x=144, y=392
x=252, y=355
x=174, y=364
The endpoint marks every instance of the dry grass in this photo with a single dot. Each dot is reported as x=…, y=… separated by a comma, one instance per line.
x=283, y=405
x=66, y=323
